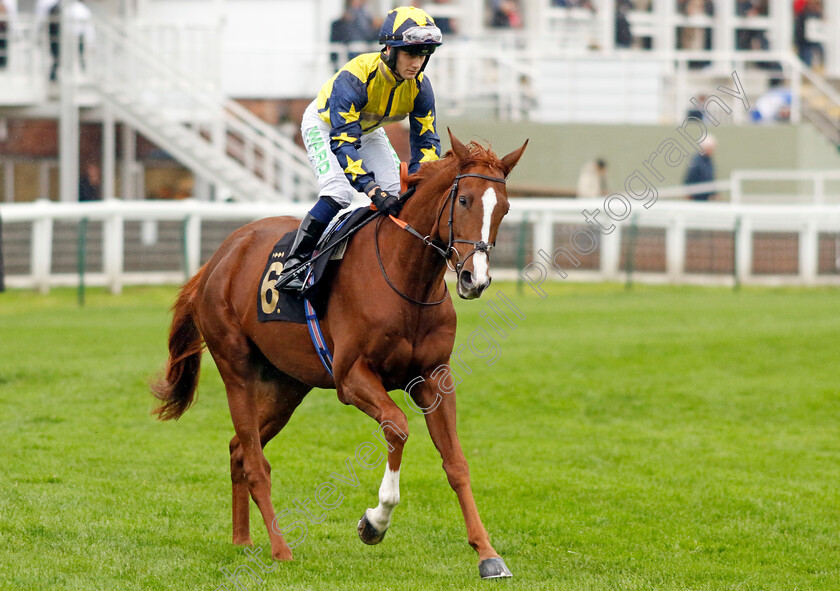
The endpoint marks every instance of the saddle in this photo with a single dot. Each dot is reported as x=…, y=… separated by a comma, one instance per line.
x=274, y=304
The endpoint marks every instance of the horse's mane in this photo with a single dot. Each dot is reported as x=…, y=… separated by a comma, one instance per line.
x=478, y=155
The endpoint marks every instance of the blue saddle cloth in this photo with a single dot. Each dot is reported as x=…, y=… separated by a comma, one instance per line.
x=287, y=306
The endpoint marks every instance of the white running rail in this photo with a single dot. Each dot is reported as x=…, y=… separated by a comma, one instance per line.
x=804, y=241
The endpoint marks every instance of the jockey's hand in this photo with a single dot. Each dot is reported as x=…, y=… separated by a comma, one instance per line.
x=385, y=202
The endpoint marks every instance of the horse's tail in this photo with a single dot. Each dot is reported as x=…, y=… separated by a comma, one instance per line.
x=176, y=389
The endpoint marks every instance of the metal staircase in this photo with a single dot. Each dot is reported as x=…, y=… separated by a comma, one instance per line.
x=820, y=103
x=217, y=138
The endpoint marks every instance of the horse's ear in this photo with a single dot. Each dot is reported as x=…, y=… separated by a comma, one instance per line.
x=461, y=151
x=511, y=159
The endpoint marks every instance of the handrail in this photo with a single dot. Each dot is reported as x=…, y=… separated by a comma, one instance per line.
x=262, y=142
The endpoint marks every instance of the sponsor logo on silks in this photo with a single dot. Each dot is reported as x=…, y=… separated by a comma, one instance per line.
x=316, y=145
x=278, y=255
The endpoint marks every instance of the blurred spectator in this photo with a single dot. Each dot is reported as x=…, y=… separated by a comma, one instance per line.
x=90, y=183
x=355, y=26
x=447, y=25
x=586, y=4
x=695, y=38
x=80, y=16
x=623, y=34
x=507, y=14
x=750, y=38
x=698, y=113
x=701, y=169
x=773, y=105
x=592, y=181
x=8, y=11
x=803, y=11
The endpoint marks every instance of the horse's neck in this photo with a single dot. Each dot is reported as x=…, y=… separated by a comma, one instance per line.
x=423, y=211
x=415, y=262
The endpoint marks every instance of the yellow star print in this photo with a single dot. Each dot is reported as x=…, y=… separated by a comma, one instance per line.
x=351, y=115
x=354, y=167
x=405, y=13
x=344, y=138
x=429, y=155
x=427, y=122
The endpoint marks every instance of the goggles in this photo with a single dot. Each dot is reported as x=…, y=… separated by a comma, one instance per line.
x=418, y=49
x=422, y=36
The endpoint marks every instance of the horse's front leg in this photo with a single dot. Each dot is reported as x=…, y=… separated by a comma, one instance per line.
x=364, y=390
x=438, y=406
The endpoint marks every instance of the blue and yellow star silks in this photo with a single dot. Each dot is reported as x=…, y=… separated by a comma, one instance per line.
x=345, y=138
x=427, y=123
x=429, y=155
x=354, y=168
x=351, y=114
x=362, y=97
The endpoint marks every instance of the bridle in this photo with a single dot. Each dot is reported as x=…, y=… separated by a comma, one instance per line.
x=444, y=249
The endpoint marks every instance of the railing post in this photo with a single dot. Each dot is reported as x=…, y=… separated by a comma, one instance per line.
x=113, y=251
x=610, y=254
x=675, y=248
x=743, y=248
x=42, y=234
x=543, y=238
x=735, y=188
x=192, y=244
x=808, y=251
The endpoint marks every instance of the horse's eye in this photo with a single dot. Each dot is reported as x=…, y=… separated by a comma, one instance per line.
x=462, y=201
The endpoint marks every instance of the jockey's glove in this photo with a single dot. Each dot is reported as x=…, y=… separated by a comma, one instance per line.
x=384, y=201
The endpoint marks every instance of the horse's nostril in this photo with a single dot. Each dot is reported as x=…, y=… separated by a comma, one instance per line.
x=466, y=278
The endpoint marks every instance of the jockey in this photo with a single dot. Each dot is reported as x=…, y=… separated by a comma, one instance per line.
x=343, y=134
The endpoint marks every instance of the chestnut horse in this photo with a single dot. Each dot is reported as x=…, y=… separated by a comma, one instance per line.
x=381, y=335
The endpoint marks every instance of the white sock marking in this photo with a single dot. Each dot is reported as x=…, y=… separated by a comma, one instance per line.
x=389, y=497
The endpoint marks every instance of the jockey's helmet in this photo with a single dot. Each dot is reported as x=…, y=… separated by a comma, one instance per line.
x=410, y=29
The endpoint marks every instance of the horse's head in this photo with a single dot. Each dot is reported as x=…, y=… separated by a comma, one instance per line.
x=473, y=211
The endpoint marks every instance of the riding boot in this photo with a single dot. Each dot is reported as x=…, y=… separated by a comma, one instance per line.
x=306, y=239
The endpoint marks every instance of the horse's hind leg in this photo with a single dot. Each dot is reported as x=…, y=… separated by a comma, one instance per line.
x=241, y=375
x=278, y=399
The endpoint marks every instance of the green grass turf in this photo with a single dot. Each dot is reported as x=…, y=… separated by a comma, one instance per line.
x=662, y=438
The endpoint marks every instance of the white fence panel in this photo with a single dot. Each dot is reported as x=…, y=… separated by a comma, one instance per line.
x=148, y=242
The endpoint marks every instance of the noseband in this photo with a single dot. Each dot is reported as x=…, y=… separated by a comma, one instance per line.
x=445, y=249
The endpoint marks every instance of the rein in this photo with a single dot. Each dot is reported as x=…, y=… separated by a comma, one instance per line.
x=444, y=249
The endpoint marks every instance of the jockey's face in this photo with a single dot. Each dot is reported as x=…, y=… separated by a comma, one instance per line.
x=408, y=66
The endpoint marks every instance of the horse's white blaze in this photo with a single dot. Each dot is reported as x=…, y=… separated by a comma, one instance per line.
x=481, y=264
x=389, y=497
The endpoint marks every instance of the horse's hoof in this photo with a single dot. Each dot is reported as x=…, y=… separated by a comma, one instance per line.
x=368, y=533
x=493, y=568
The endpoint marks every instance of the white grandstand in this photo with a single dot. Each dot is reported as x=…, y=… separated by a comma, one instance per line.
x=170, y=69
x=190, y=76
